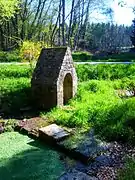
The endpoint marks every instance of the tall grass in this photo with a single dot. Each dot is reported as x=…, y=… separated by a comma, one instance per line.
x=14, y=88
x=15, y=71
x=99, y=72
x=11, y=56
x=96, y=104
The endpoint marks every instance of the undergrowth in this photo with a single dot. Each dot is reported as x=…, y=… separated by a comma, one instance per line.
x=103, y=71
x=97, y=103
x=128, y=172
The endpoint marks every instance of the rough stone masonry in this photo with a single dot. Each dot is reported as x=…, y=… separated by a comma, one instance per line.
x=54, y=80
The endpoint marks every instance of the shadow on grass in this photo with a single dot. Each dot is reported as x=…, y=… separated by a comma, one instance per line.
x=18, y=104
x=40, y=162
x=120, y=57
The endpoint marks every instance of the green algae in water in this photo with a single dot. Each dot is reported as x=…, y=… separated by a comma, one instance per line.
x=22, y=158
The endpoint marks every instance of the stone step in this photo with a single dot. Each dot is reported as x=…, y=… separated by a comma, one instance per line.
x=85, y=150
x=53, y=133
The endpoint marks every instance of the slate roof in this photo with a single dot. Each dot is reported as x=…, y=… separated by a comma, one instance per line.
x=49, y=64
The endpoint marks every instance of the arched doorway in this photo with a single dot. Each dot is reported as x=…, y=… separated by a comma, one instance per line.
x=67, y=88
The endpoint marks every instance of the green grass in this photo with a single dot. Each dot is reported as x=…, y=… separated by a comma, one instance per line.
x=10, y=56
x=24, y=158
x=99, y=72
x=96, y=103
x=79, y=56
x=15, y=94
x=15, y=71
x=128, y=172
x=83, y=56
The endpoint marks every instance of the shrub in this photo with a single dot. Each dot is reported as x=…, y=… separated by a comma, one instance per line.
x=10, y=125
x=87, y=72
x=11, y=56
x=82, y=56
x=14, y=95
x=15, y=71
x=30, y=50
x=7, y=125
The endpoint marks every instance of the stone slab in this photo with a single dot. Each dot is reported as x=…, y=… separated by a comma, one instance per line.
x=74, y=174
x=86, y=149
x=53, y=132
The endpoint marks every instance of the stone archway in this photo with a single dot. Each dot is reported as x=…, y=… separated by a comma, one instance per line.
x=67, y=88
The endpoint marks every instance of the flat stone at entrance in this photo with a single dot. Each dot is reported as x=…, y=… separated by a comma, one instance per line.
x=53, y=132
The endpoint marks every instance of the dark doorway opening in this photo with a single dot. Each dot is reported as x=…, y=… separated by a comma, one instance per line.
x=67, y=88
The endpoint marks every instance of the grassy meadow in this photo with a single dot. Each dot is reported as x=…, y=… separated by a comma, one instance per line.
x=97, y=103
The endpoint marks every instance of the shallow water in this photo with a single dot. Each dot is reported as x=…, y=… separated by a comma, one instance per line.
x=23, y=158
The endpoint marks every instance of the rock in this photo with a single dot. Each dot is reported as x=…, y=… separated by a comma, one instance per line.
x=76, y=175
x=86, y=149
x=53, y=132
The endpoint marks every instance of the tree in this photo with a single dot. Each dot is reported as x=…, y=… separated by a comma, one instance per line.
x=133, y=34
x=63, y=22
x=7, y=9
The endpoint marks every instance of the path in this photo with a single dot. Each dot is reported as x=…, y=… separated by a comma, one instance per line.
x=90, y=63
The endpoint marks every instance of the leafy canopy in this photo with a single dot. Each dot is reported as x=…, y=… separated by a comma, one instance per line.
x=7, y=9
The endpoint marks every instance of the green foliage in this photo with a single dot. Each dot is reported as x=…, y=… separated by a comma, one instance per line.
x=121, y=57
x=128, y=172
x=30, y=51
x=9, y=125
x=14, y=94
x=12, y=56
x=81, y=56
x=15, y=90
x=7, y=9
x=118, y=71
x=98, y=105
x=15, y=71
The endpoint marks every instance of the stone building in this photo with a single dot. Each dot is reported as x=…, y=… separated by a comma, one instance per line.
x=54, y=80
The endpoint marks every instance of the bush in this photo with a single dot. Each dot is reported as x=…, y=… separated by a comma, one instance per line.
x=11, y=56
x=104, y=71
x=81, y=56
x=14, y=95
x=15, y=71
x=7, y=125
x=15, y=92
x=30, y=51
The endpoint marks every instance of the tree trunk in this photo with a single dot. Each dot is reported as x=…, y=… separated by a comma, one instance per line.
x=63, y=22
